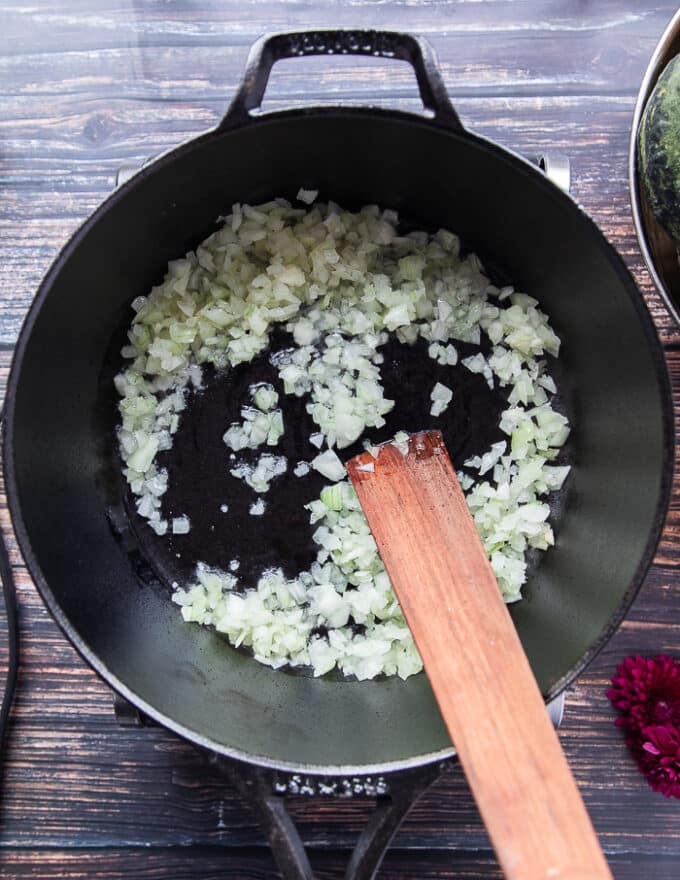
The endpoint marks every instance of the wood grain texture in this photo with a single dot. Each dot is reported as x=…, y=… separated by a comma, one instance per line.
x=506, y=744
x=252, y=864
x=89, y=84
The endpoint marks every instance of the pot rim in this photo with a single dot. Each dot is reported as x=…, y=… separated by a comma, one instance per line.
x=521, y=165
x=652, y=72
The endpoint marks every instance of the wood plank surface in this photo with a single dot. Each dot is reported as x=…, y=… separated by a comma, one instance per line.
x=249, y=864
x=89, y=84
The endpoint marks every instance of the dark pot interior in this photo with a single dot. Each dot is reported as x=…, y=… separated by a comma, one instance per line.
x=59, y=450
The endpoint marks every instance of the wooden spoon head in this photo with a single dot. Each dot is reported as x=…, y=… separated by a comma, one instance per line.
x=392, y=456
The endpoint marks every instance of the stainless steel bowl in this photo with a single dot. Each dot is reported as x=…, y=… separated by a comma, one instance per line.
x=657, y=247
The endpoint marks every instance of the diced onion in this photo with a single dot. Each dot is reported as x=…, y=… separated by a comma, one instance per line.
x=329, y=465
x=307, y=195
x=339, y=283
x=181, y=525
x=441, y=397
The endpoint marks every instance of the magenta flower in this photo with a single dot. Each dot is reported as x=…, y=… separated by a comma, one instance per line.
x=646, y=692
x=659, y=758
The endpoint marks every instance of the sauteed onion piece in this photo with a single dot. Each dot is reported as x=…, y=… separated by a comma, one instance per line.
x=341, y=284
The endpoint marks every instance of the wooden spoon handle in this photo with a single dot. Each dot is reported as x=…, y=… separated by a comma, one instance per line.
x=476, y=665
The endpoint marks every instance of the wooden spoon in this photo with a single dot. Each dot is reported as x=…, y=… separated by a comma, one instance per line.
x=475, y=662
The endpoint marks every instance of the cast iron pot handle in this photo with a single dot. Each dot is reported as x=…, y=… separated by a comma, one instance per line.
x=381, y=44
x=265, y=791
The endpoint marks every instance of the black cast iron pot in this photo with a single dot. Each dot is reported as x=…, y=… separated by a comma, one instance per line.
x=59, y=452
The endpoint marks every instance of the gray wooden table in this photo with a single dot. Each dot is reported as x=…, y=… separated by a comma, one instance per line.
x=87, y=85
